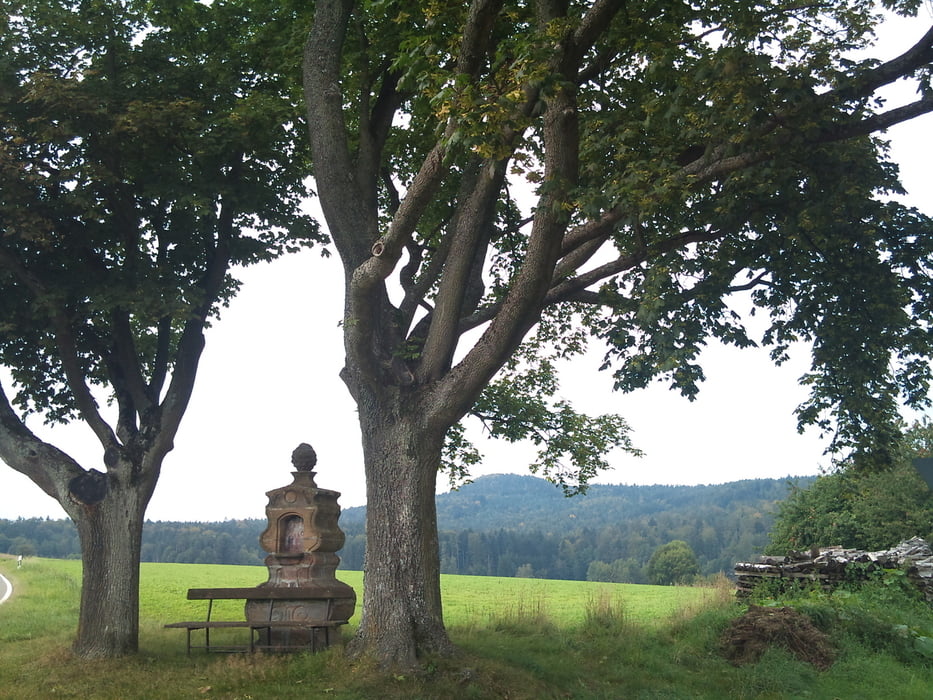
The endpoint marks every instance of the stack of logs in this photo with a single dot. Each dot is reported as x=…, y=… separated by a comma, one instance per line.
x=830, y=566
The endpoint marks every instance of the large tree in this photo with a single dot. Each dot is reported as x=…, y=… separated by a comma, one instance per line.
x=669, y=155
x=146, y=149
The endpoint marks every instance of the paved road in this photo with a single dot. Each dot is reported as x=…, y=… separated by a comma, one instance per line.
x=6, y=588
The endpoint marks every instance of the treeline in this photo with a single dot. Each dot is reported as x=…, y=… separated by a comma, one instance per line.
x=502, y=525
x=56, y=539
x=508, y=525
x=228, y=542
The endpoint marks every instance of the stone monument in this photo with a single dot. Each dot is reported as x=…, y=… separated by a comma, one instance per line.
x=302, y=538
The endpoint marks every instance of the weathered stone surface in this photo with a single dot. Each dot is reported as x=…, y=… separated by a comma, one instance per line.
x=302, y=538
x=304, y=458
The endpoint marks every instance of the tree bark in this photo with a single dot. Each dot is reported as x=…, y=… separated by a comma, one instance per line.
x=111, y=538
x=402, y=620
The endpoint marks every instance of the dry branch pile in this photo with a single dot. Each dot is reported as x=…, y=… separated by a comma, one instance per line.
x=830, y=566
x=749, y=636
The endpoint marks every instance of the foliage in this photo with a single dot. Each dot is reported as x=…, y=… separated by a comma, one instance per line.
x=144, y=150
x=672, y=563
x=574, y=447
x=707, y=150
x=883, y=613
x=860, y=507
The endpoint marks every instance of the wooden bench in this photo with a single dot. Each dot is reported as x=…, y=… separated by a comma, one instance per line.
x=254, y=626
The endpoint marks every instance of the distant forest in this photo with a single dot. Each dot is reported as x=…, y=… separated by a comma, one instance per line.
x=500, y=525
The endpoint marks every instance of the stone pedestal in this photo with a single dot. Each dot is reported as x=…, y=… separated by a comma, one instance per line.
x=302, y=538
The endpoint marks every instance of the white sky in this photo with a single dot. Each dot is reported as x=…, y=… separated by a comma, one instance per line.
x=268, y=381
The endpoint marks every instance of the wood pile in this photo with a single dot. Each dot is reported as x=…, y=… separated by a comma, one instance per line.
x=830, y=566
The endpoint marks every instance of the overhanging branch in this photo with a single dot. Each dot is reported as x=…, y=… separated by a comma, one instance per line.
x=877, y=122
x=564, y=290
x=864, y=85
x=27, y=454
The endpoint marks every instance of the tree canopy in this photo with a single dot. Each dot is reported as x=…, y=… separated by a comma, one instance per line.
x=139, y=161
x=701, y=152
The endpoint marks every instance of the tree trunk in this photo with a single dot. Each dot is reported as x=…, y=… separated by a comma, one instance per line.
x=402, y=619
x=110, y=532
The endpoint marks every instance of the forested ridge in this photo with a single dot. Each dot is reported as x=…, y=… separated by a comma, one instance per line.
x=507, y=525
x=500, y=525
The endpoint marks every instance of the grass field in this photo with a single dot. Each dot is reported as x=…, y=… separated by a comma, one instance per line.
x=518, y=638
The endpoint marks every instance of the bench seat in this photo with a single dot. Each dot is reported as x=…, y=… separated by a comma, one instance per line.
x=252, y=625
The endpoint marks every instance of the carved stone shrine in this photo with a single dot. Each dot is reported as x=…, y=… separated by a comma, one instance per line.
x=302, y=538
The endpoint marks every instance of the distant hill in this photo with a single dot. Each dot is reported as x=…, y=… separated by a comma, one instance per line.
x=515, y=501
x=502, y=525
x=506, y=522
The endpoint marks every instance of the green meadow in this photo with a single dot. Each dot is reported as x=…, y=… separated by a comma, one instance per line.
x=517, y=638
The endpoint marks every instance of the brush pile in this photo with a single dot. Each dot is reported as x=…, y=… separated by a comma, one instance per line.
x=749, y=636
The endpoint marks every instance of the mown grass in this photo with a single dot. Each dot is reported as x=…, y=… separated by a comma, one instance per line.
x=518, y=638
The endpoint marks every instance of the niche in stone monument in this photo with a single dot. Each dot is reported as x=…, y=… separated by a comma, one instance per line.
x=293, y=531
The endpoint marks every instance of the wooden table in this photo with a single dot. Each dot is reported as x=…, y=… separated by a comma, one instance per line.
x=261, y=594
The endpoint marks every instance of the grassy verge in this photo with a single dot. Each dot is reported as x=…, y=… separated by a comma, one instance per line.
x=518, y=638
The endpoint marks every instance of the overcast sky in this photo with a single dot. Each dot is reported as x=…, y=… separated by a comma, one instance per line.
x=268, y=381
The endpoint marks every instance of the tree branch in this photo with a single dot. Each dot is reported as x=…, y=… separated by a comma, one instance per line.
x=757, y=281
x=164, y=334
x=474, y=47
x=27, y=454
x=351, y=228
x=416, y=291
x=564, y=290
x=517, y=314
x=67, y=350
x=191, y=343
x=719, y=163
x=467, y=253
x=126, y=358
x=917, y=56
x=374, y=130
x=594, y=24
x=877, y=122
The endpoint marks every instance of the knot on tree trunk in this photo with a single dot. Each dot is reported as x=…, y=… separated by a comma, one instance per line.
x=89, y=488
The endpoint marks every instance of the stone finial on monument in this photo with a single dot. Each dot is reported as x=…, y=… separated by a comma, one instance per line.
x=304, y=458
